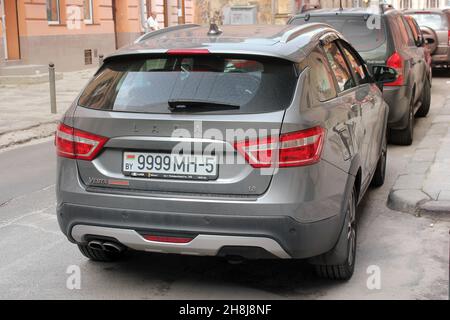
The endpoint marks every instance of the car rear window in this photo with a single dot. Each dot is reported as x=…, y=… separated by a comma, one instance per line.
x=368, y=37
x=434, y=21
x=150, y=84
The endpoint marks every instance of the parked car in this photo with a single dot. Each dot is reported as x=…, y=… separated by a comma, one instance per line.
x=385, y=38
x=292, y=194
x=437, y=21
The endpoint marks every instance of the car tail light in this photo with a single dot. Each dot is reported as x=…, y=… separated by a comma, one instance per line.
x=396, y=62
x=187, y=52
x=293, y=149
x=76, y=144
x=448, y=37
x=167, y=239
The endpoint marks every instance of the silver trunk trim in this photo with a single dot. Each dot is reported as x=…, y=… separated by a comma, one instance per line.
x=202, y=245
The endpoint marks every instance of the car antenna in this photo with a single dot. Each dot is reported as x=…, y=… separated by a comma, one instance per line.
x=214, y=29
x=340, y=6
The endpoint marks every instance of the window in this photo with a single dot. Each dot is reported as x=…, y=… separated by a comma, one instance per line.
x=435, y=21
x=339, y=67
x=53, y=12
x=371, y=43
x=356, y=65
x=88, y=11
x=321, y=80
x=148, y=84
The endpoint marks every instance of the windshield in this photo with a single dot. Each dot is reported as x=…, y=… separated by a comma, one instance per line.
x=153, y=84
x=367, y=36
x=431, y=20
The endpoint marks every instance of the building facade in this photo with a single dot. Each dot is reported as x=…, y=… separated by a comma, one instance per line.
x=73, y=33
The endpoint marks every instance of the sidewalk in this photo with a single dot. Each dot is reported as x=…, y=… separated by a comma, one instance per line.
x=25, y=109
x=425, y=185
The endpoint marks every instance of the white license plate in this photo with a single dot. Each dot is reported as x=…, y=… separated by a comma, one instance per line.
x=169, y=166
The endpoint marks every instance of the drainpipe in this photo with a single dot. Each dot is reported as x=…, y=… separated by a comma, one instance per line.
x=5, y=42
x=143, y=16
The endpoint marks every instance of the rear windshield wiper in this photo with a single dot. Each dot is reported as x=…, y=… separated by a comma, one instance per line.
x=199, y=106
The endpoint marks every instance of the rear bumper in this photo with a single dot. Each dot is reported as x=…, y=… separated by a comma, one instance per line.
x=303, y=218
x=398, y=100
x=282, y=237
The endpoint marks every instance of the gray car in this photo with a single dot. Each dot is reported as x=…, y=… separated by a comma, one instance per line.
x=436, y=26
x=384, y=37
x=250, y=142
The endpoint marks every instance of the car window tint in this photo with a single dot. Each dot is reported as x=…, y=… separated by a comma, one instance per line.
x=415, y=31
x=149, y=84
x=357, y=67
x=339, y=67
x=410, y=35
x=371, y=43
x=321, y=79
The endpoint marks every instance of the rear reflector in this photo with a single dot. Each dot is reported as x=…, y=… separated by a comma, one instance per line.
x=187, y=52
x=300, y=148
x=76, y=144
x=167, y=239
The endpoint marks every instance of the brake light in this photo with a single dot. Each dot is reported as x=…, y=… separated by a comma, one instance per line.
x=76, y=144
x=396, y=62
x=167, y=239
x=295, y=149
x=187, y=52
x=449, y=37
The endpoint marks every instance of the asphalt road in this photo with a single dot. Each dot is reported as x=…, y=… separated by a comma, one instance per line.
x=410, y=252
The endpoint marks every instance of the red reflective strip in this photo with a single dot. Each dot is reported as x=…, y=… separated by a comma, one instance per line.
x=131, y=157
x=167, y=239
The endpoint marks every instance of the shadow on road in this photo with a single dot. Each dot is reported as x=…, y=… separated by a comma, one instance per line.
x=279, y=277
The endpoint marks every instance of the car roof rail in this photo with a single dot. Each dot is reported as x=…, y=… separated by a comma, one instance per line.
x=155, y=33
x=295, y=32
x=386, y=7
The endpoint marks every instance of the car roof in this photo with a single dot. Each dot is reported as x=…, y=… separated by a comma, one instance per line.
x=346, y=11
x=290, y=42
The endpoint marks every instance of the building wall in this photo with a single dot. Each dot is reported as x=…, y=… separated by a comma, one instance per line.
x=65, y=43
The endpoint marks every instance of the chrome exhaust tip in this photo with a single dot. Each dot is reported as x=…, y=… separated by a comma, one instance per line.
x=113, y=247
x=96, y=245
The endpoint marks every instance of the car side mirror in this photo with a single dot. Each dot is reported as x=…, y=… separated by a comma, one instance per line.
x=382, y=74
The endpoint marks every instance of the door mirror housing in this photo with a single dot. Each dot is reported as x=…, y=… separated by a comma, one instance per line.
x=382, y=74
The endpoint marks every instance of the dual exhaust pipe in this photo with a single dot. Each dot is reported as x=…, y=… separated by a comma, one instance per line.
x=106, y=246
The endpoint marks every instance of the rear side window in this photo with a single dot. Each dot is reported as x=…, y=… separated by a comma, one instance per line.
x=400, y=33
x=339, y=67
x=149, y=84
x=321, y=79
x=435, y=21
x=356, y=65
x=367, y=37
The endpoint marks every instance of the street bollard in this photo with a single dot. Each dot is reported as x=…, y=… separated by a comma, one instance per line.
x=52, y=79
x=100, y=60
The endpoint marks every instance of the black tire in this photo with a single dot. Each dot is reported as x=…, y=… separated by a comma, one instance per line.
x=99, y=255
x=339, y=263
x=380, y=172
x=405, y=136
x=426, y=101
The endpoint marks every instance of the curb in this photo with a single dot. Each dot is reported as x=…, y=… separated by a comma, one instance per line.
x=21, y=136
x=417, y=203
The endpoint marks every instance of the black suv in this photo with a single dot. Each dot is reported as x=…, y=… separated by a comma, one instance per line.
x=386, y=38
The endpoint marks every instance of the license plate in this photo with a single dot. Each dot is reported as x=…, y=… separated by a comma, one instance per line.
x=169, y=166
